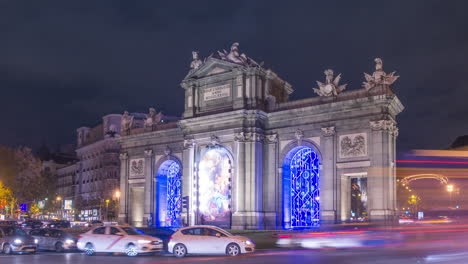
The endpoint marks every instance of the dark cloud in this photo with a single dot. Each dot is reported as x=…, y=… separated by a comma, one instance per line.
x=64, y=64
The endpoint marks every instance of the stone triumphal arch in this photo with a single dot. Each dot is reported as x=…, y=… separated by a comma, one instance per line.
x=244, y=156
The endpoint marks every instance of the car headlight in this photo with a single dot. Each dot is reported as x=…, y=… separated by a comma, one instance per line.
x=18, y=242
x=143, y=241
x=248, y=242
x=69, y=241
x=36, y=241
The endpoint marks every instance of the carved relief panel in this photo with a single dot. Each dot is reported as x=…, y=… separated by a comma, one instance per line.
x=353, y=145
x=137, y=168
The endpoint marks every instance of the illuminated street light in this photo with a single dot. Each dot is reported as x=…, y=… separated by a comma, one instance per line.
x=450, y=188
x=117, y=194
x=58, y=198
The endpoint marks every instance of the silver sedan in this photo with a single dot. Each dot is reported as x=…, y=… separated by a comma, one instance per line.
x=53, y=239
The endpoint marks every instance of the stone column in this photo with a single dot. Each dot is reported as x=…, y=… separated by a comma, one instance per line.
x=248, y=213
x=328, y=178
x=189, y=181
x=271, y=187
x=149, y=174
x=123, y=212
x=381, y=177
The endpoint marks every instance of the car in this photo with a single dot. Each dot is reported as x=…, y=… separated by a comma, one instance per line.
x=118, y=239
x=205, y=239
x=54, y=239
x=15, y=240
x=95, y=223
x=164, y=233
x=8, y=223
x=59, y=224
x=31, y=224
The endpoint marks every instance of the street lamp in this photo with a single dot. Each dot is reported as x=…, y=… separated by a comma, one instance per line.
x=59, y=199
x=450, y=190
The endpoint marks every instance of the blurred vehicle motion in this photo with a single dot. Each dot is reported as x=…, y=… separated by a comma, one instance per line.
x=31, y=224
x=53, y=239
x=59, y=224
x=337, y=239
x=9, y=223
x=15, y=240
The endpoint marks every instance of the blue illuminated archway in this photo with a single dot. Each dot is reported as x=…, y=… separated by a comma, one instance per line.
x=169, y=194
x=301, y=193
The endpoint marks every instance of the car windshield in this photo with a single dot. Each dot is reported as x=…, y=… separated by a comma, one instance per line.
x=130, y=231
x=13, y=231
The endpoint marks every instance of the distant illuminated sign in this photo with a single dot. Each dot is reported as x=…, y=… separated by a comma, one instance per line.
x=41, y=204
x=23, y=207
x=68, y=204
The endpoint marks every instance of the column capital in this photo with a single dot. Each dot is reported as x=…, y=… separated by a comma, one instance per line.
x=273, y=138
x=148, y=153
x=384, y=125
x=189, y=143
x=328, y=131
x=248, y=137
x=123, y=156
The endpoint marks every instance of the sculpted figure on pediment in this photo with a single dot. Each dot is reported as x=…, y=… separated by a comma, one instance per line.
x=379, y=77
x=196, y=62
x=126, y=123
x=331, y=87
x=152, y=118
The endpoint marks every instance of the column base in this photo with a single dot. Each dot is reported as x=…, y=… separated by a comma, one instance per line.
x=247, y=220
x=328, y=217
x=384, y=217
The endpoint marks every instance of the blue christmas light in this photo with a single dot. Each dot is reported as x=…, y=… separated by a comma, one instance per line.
x=304, y=189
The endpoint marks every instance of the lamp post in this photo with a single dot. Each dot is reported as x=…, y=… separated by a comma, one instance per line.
x=107, y=209
x=59, y=200
x=450, y=190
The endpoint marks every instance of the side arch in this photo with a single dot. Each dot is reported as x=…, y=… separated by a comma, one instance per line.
x=300, y=187
x=168, y=192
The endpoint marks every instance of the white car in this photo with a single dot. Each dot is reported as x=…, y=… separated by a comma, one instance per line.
x=118, y=239
x=208, y=240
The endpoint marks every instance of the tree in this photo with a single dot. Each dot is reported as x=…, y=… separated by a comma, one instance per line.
x=7, y=200
x=28, y=182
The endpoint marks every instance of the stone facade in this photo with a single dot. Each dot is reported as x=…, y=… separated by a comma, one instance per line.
x=236, y=152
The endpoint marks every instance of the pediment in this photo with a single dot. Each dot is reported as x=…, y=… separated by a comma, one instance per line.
x=210, y=67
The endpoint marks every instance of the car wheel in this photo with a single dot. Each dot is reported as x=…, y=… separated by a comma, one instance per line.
x=7, y=249
x=59, y=247
x=233, y=250
x=131, y=250
x=180, y=250
x=89, y=249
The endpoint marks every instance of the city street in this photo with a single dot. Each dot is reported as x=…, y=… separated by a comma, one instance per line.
x=419, y=246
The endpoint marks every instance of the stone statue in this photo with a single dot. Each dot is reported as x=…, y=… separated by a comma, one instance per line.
x=379, y=77
x=235, y=57
x=126, y=123
x=196, y=62
x=330, y=87
x=152, y=118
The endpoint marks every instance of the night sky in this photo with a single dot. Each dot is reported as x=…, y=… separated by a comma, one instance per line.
x=65, y=64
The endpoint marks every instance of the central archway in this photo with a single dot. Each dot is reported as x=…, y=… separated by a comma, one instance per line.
x=214, y=194
x=301, y=194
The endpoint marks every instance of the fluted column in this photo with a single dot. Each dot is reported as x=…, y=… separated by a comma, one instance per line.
x=189, y=181
x=381, y=177
x=270, y=182
x=149, y=158
x=328, y=183
x=123, y=212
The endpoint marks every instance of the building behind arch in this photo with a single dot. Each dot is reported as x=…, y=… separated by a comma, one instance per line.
x=243, y=156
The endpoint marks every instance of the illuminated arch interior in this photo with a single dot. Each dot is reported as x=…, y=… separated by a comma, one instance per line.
x=168, y=194
x=301, y=206
x=214, y=194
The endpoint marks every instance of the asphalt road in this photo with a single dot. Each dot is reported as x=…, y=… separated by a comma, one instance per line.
x=428, y=245
x=443, y=251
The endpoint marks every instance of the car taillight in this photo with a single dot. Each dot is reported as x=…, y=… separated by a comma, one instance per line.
x=170, y=238
x=79, y=237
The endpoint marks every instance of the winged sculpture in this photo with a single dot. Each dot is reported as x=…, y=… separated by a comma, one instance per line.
x=379, y=77
x=331, y=87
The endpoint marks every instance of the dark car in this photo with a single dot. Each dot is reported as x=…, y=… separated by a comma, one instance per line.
x=32, y=224
x=8, y=223
x=15, y=240
x=53, y=239
x=59, y=224
x=95, y=223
